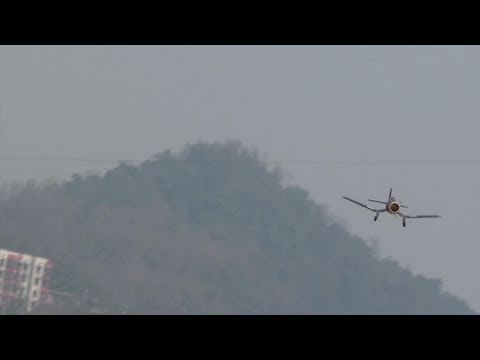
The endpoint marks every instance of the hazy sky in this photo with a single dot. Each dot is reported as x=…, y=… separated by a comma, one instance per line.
x=292, y=103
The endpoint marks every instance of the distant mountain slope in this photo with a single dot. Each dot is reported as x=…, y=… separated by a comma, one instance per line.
x=210, y=230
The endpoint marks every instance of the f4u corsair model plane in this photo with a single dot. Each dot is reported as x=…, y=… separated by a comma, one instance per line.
x=392, y=206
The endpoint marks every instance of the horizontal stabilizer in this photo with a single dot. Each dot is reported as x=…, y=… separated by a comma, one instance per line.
x=377, y=201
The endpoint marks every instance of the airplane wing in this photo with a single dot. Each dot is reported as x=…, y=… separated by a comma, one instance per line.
x=419, y=216
x=363, y=205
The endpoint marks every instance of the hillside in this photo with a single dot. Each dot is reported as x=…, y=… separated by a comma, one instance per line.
x=208, y=230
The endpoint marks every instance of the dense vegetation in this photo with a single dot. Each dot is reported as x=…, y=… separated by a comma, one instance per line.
x=208, y=230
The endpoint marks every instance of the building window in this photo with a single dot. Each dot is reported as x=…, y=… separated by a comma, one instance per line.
x=24, y=277
x=35, y=293
x=25, y=266
x=38, y=269
x=37, y=280
x=2, y=261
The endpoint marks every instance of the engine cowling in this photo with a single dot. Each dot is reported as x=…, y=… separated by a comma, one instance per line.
x=393, y=207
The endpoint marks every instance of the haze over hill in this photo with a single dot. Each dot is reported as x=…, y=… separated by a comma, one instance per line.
x=210, y=229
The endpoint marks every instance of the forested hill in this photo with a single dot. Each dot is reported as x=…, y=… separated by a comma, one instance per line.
x=210, y=230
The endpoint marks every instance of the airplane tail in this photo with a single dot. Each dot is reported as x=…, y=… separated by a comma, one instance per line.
x=390, y=194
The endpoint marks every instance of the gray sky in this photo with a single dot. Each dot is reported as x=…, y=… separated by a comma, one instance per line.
x=293, y=103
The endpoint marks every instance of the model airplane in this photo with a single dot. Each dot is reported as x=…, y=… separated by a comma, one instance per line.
x=392, y=206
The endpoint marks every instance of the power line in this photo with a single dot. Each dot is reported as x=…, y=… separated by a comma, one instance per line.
x=282, y=162
x=60, y=159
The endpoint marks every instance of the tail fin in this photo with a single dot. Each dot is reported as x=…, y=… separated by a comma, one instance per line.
x=390, y=194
